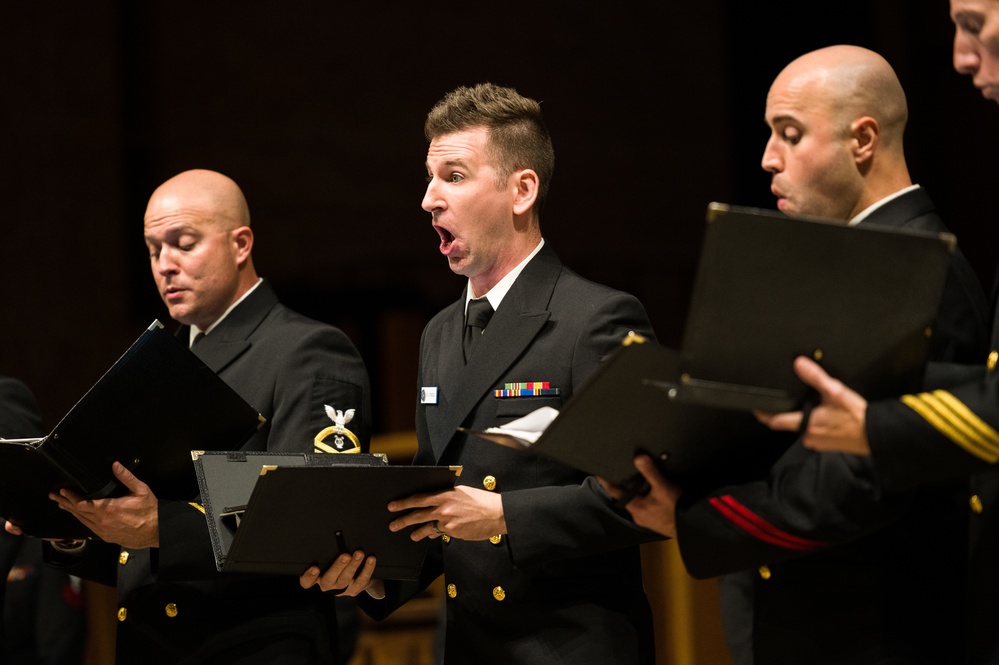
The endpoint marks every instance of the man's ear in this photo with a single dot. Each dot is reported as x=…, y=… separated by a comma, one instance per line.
x=865, y=133
x=526, y=193
x=242, y=238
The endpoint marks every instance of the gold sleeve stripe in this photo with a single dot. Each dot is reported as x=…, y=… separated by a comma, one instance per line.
x=949, y=416
x=983, y=440
x=197, y=506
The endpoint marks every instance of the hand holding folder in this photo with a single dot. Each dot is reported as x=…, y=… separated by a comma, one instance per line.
x=149, y=410
x=280, y=514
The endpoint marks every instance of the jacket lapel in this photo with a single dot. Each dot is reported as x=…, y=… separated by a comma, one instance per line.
x=230, y=339
x=898, y=212
x=519, y=319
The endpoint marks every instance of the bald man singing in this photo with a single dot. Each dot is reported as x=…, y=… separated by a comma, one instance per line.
x=173, y=605
x=949, y=432
x=833, y=571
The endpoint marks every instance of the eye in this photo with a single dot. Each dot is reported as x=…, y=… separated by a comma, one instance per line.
x=455, y=178
x=791, y=135
x=186, y=243
x=971, y=25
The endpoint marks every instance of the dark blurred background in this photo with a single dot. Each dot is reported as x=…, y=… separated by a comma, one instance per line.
x=316, y=110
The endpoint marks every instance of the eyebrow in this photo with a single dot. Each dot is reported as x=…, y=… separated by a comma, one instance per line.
x=967, y=15
x=174, y=231
x=449, y=162
x=964, y=13
x=782, y=118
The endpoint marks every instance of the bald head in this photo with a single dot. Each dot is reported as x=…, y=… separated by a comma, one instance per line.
x=851, y=82
x=837, y=116
x=214, y=195
x=197, y=230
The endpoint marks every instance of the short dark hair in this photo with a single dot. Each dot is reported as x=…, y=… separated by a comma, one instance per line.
x=518, y=137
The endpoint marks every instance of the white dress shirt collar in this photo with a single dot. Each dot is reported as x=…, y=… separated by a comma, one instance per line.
x=866, y=212
x=195, y=329
x=498, y=292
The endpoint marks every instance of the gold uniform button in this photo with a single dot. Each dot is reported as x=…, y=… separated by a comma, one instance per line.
x=976, y=504
x=122, y=613
x=123, y=557
x=496, y=540
x=993, y=359
x=499, y=593
x=765, y=572
x=446, y=538
x=489, y=482
x=171, y=610
x=452, y=591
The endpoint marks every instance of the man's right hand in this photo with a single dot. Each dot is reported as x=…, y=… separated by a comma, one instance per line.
x=837, y=424
x=348, y=576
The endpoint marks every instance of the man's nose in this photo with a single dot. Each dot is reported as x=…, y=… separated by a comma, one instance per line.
x=966, y=60
x=165, y=263
x=431, y=198
x=771, y=161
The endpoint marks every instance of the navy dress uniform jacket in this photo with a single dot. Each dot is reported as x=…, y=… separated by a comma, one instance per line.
x=43, y=612
x=174, y=606
x=564, y=585
x=43, y=620
x=846, y=573
x=947, y=433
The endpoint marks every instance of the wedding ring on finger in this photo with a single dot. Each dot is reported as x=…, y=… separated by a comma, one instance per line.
x=437, y=528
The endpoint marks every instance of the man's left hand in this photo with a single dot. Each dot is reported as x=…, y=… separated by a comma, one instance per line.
x=657, y=509
x=130, y=521
x=464, y=512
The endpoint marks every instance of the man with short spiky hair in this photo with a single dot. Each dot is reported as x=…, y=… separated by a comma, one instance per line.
x=540, y=567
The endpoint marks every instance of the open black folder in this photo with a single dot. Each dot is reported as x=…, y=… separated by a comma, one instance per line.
x=148, y=411
x=278, y=514
x=629, y=406
x=861, y=300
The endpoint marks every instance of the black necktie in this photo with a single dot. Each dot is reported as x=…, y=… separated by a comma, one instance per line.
x=197, y=338
x=479, y=313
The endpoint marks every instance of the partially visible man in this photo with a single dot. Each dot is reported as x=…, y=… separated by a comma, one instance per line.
x=43, y=619
x=940, y=434
x=540, y=567
x=828, y=545
x=174, y=606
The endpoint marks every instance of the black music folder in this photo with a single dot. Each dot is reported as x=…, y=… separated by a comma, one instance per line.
x=630, y=405
x=226, y=480
x=148, y=411
x=861, y=300
x=278, y=515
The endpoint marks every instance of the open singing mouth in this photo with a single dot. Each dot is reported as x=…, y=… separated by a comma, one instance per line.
x=446, y=236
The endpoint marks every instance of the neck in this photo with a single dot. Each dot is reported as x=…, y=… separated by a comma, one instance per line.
x=511, y=258
x=880, y=184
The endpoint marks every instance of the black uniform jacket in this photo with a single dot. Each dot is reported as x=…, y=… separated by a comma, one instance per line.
x=174, y=606
x=42, y=608
x=564, y=585
x=840, y=572
x=950, y=432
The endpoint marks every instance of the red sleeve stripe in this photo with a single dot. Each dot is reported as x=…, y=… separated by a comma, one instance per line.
x=759, y=528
